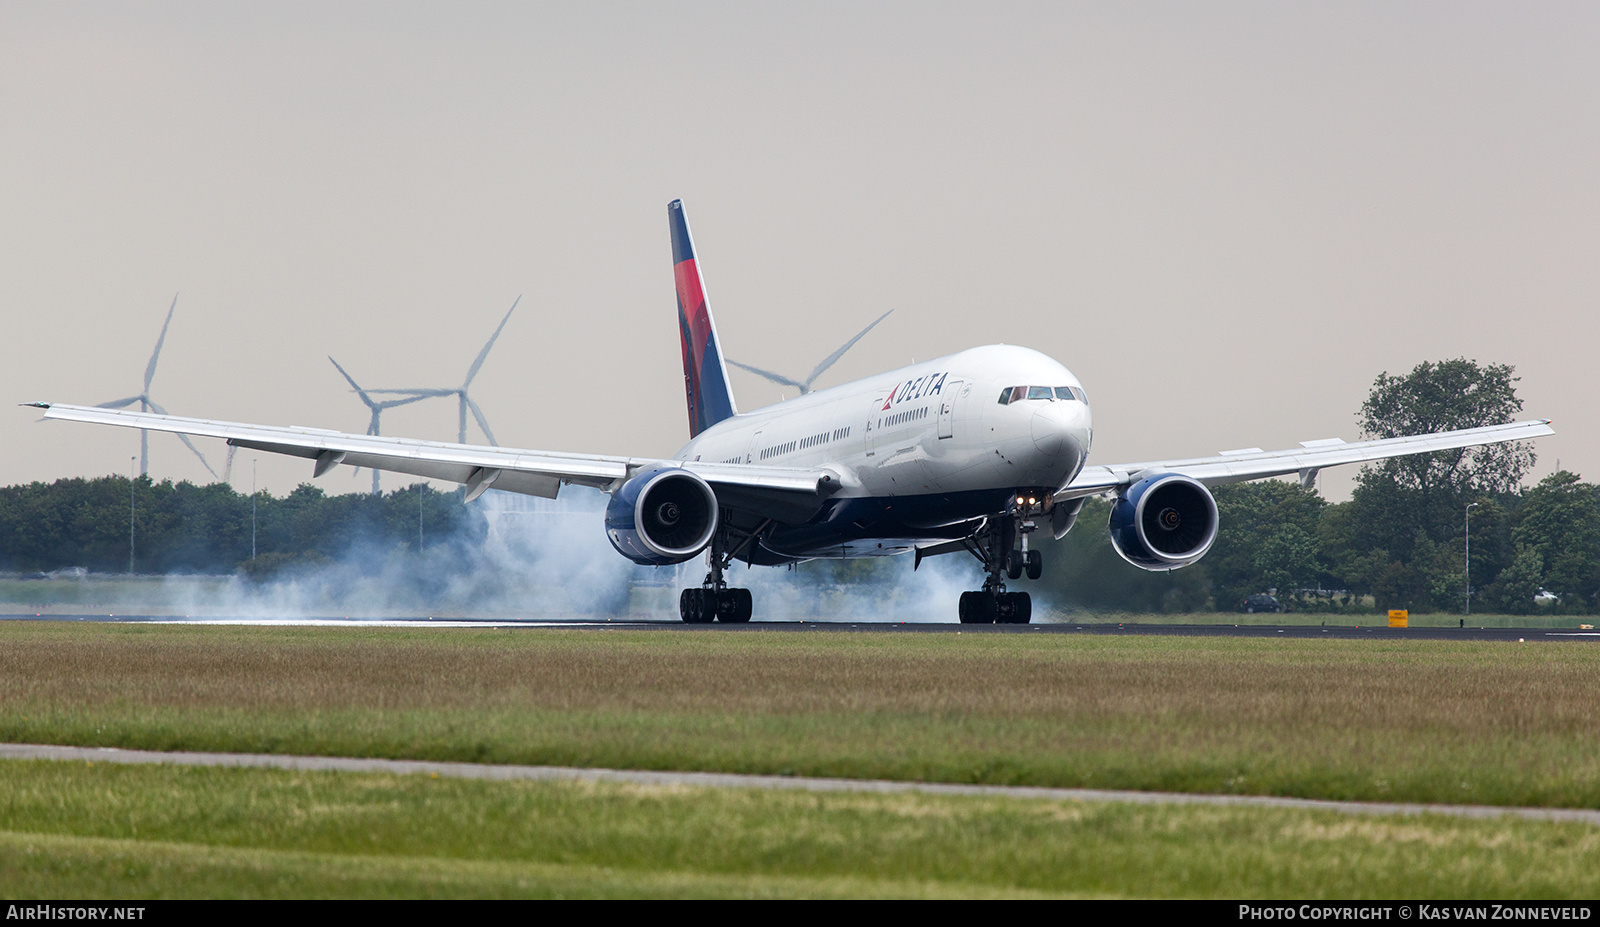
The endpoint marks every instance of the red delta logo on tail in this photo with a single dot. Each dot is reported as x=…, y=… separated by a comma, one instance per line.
x=705, y=377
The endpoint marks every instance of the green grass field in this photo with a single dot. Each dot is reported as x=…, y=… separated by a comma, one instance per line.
x=79, y=830
x=1425, y=721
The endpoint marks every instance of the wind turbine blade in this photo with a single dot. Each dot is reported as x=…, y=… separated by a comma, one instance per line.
x=353, y=385
x=190, y=445
x=150, y=368
x=473, y=370
x=119, y=403
x=186, y=442
x=391, y=403
x=483, y=423
x=417, y=393
x=829, y=361
x=774, y=377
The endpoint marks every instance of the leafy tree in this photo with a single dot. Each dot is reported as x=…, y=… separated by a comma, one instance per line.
x=1561, y=523
x=1288, y=559
x=1513, y=590
x=1084, y=571
x=1269, y=516
x=1447, y=396
x=1411, y=508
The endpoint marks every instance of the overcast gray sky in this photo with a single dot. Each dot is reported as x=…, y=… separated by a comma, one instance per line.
x=1226, y=218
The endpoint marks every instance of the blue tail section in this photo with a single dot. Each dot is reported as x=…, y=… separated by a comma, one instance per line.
x=705, y=377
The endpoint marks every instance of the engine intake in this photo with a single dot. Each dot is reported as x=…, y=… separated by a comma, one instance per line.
x=661, y=516
x=1164, y=522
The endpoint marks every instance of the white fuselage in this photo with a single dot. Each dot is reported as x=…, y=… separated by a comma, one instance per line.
x=934, y=431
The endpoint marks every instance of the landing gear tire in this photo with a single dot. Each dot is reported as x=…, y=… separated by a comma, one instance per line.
x=697, y=606
x=1014, y=608
x=703, y=606
x=1035, y=564
x=734, y=606
x=1014, y=564
x=977, y=608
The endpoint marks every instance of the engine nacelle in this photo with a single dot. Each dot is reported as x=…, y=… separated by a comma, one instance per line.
x=1164, y=522
x=661, y=516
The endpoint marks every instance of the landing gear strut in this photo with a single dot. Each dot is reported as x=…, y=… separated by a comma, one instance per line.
x=993, y=604
x=715, y=600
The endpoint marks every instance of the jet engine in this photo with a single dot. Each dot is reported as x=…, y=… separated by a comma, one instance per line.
x=1164, y=522
x=661, y=516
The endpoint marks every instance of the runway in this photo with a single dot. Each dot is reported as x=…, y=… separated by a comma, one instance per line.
x=1285, y=631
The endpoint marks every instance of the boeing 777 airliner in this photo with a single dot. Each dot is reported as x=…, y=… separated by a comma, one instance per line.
x=970, y=452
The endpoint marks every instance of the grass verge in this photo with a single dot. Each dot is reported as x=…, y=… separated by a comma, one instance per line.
x=1462, y=722
x=96, y=830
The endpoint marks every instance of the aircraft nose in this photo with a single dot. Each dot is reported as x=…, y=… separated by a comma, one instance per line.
x=1055, y=426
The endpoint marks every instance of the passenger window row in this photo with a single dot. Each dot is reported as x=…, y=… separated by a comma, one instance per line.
x=838, y=434
x=901, y=417
x=777, y=449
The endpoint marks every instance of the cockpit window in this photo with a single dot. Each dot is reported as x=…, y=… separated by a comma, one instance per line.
x=1018, y=393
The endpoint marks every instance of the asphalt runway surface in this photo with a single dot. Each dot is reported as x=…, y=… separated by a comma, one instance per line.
x=738, y=781
x=1331, y=631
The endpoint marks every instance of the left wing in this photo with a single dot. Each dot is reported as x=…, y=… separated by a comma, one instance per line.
x=1254, y=463
x=779, y=492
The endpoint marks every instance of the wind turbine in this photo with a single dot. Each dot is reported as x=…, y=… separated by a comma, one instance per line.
x=377, y=410
x=146, y=404
x=464, y=401
x=805, y=386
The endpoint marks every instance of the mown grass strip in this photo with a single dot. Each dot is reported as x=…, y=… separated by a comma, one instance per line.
x=81, y=830
x=1424, y=721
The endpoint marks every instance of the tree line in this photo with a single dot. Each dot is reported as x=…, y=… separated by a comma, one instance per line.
x=1400, y=539
x=1399, y=542
x=185, y=528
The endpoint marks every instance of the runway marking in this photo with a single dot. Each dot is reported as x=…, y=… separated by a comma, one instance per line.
x=740, y=781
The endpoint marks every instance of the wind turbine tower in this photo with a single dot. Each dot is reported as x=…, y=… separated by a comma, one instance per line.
x=146, y=404
x=377, y=411
x=464, y=401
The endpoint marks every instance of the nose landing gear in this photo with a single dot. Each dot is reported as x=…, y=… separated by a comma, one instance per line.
x=993, y=604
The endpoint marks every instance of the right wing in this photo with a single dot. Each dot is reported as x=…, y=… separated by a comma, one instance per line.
x=1311, y=456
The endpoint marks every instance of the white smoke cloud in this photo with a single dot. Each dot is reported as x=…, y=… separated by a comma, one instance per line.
x=521, y=558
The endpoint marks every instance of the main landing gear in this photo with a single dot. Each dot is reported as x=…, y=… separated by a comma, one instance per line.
x=1003, y=549
x=715, y=600
x=708, y=604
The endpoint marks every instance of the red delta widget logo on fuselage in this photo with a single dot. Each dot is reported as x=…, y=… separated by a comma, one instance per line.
x=929, y=385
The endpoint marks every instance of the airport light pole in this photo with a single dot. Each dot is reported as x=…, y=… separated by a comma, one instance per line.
x=252, y=508
x=1467, y=534
x=132, y=476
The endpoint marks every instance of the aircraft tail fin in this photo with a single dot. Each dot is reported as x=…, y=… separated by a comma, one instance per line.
x=705, y=376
